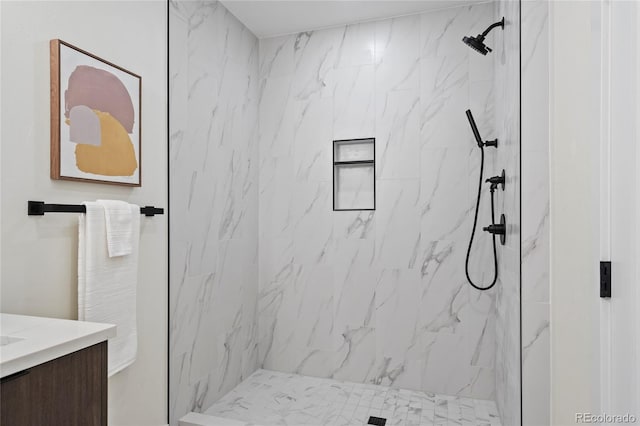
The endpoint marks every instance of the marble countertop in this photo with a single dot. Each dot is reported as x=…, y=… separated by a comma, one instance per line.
x=27, y=341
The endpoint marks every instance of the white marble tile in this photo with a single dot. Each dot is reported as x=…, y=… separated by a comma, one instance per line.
x=439, y=264
x=277, y=180
x=354, y=225
x=357, y=45
x=397, y=223
x=203, y=352
x=535, y=76
x=233, y=175
x=482, y=104
x=481, y=334
x=354, y=295
x=314, y=322
x=356, y=354
x=398, y=135
x=535, y=227
x=444, y=97
x=313, y=232
x=444, y=194
x=272, y=398
x=440, y=33
x=275, y=268
x=443, y=287
x=303, y=321
x=312, y=140
x=397, y=54
x=315, y=54
x=397, y=305
x=465, y=381
x=353, y=102
x=214, y=203
x=276, y=57
x=277, y=116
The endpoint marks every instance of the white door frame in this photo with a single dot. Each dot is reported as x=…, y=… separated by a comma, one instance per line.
x=619, y=58
x=638, y=201
x=605, y=194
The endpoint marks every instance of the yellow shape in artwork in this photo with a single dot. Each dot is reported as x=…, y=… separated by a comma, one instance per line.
x=115, y=156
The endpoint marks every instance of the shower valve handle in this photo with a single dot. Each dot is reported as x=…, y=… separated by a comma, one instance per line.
x=497, y=229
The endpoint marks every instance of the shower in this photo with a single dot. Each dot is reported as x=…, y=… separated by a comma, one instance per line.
x=494, y=228
x=330, y=213
x=477, y=43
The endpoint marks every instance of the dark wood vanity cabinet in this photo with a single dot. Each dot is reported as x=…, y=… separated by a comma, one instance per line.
x=68, y=391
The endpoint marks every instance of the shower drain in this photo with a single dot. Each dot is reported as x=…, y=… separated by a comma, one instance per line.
x=377, y=421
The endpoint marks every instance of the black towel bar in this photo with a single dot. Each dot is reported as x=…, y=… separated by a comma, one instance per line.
x=39, y=208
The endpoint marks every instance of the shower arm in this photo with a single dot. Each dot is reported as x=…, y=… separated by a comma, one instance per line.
x=492, y=26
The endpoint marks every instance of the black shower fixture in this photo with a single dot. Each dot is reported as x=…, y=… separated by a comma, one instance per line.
x=496, y=229
x=476, y=133
x=477, y=43
x=497, y=180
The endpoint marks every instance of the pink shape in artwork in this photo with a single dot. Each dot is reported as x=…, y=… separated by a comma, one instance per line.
x=99, y=90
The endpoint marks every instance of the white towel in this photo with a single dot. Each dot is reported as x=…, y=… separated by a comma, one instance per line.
x=119, y=220
x=107, y=285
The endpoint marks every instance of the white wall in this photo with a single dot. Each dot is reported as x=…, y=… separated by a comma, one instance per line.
x=39, y=254
x=574, y=212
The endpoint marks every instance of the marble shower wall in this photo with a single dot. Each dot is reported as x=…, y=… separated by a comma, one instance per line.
x=381, y=297
x=536, y=364
x=213, y=204
x=507, y=115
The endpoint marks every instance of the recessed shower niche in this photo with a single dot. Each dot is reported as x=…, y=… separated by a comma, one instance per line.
x=354, y=174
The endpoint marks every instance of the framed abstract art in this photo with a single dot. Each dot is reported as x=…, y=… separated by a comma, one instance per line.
x=95, y=118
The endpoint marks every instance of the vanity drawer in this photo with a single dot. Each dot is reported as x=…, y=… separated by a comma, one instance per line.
x=70, y=391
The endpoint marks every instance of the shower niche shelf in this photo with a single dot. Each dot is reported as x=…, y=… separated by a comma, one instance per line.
x=354, y=170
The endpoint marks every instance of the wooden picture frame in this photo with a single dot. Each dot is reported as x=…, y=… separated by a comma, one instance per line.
x=96, y=129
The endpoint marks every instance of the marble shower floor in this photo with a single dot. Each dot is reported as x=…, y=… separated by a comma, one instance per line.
x=273, y=398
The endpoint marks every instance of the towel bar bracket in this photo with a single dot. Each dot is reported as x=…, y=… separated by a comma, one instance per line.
x=151, y=211
x=35, y=208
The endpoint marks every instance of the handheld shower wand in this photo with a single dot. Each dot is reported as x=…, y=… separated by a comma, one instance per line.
x=476, y=133
x=494, y=229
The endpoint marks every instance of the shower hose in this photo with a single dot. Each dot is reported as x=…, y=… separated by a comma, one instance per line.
x=473, y=231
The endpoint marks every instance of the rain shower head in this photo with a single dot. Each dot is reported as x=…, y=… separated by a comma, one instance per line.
x=477, y=43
